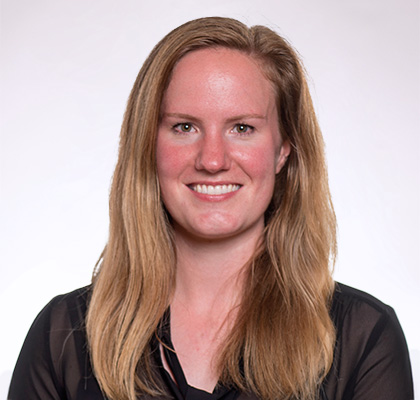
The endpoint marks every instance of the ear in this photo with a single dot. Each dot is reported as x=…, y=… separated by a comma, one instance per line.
x=283, y=154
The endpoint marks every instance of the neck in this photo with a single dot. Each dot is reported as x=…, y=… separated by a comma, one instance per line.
x=209, y=283
x=209, y=275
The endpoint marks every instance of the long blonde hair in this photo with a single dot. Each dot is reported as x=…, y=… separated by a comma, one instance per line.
x=282, y=343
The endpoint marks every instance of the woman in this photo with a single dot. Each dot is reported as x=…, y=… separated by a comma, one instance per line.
x=215, y=281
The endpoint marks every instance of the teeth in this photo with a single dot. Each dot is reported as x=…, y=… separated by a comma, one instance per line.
x=218, y=189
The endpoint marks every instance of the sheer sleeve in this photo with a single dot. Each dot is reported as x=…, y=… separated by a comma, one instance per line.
x=384, y=370
x=371, y=359
x=34, y=376
x=54, y=363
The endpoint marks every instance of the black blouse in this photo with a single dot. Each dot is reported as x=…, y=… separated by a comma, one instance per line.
x=370, y=359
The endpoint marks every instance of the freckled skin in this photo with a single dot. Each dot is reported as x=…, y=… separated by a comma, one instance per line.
x=215, y=90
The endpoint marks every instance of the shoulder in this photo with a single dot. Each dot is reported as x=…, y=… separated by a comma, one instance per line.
x=363, y=322
x=346, y=293
x=75, y=299
x=65, y=312
x=64, y=315
x=370, y=357
x=72, y=302
x=347, y=299
x=54, y=355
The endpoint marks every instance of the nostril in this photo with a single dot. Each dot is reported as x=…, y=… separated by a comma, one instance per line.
x=212, y=162
x=213, y=155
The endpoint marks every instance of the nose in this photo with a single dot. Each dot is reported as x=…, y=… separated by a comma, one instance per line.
x=213, y=155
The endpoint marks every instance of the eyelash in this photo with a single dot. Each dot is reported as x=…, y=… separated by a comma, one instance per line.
x=249, y=129
x=179, y=128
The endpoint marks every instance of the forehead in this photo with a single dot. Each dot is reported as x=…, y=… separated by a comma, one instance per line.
x=219, y=75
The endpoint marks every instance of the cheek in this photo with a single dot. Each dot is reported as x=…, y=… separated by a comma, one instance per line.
x=169, y=158
x=167, y=163
x=259, y=162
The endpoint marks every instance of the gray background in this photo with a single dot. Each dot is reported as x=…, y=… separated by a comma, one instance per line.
x=66, y=71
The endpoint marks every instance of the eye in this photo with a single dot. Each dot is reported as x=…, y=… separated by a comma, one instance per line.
x=184, y=127
x=243, y=129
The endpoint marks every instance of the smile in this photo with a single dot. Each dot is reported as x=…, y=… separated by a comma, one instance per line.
x=215, y=190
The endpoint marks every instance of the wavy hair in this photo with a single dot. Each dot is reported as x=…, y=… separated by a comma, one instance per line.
x=281, y=346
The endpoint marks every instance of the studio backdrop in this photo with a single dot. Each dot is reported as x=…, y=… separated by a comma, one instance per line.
x=67, y=68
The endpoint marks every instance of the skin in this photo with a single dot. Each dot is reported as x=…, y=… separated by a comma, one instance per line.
x=219, y=127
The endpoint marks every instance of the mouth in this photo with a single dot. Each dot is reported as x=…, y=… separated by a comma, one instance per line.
x=214, y=189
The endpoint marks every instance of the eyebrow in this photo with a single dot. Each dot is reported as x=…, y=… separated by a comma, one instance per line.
x=188, y=117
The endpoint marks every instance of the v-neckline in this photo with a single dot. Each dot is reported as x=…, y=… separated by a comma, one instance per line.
x=178, y=380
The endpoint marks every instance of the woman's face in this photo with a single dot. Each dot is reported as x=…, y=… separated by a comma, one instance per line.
x=218, y=146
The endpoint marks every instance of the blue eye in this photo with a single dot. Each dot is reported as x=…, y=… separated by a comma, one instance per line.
x=243, y=129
